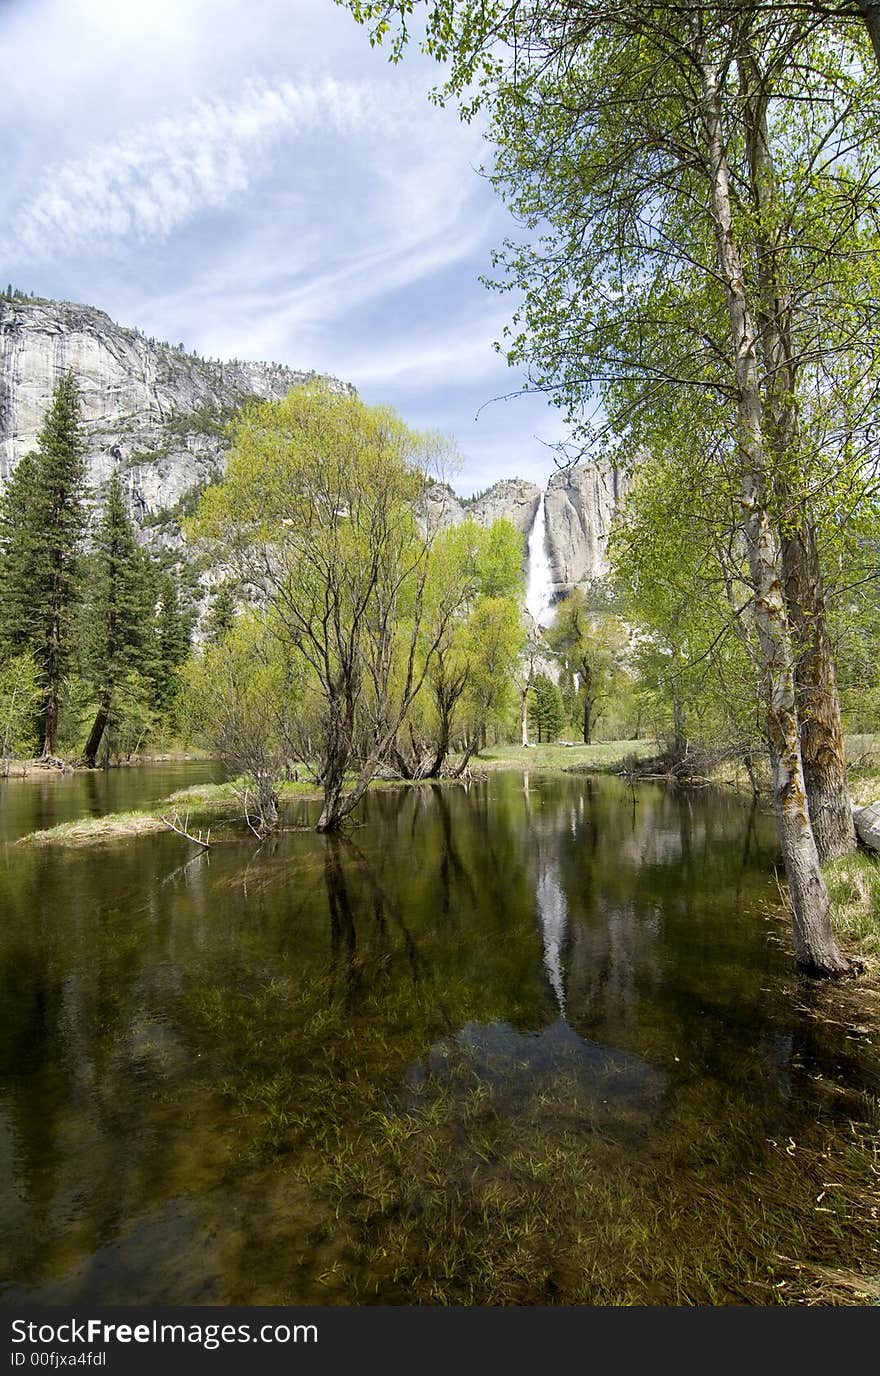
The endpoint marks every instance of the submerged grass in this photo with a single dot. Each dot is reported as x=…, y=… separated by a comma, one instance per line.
x=201, y=803
x=444, y=1189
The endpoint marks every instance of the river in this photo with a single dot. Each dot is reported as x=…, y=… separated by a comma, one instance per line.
x=537, y=1040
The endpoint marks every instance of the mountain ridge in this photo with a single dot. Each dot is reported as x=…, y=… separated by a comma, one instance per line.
x=157, y=415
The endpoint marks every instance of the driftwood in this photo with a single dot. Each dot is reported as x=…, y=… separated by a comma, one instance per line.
x=182, y=829
x=867, y=825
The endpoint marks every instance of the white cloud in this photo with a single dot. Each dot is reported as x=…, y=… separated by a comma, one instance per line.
x=156, y=177
x=461, y=351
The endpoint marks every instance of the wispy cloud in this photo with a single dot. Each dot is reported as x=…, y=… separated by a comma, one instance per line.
x=462, y=352
x=157, y=176
x=257, y=181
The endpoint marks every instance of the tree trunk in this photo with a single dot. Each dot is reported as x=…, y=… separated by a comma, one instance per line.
x=334, y=779
x=679, y=742
x=822, y=743
x=816, y=950
x=870, y=12
x=50, y=721
x=524, y=716
x=331, y=817
x=442, y=746
x=267, y=801
x=469, y=753
x=588, y=722
x=96, y=735
x=818, y=702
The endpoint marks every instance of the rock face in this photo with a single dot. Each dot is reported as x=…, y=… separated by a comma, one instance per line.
x=513, y=498
x=158, y=415
x=152, y=412
x=578, y=508
x=579, y=505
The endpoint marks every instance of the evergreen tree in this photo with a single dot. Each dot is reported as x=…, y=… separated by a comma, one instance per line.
x=546, y=711
x=41, y=527
x=118, y=611
x=172, y=634
x=17, y=557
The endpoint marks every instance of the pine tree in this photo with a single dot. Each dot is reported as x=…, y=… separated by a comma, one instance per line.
x=171, y=644
x=118, y=611
x=546, y=711
x=17, y=557
x=41, y=526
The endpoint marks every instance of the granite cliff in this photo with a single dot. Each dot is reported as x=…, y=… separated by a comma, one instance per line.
x=153, y=412
x=579, y=504
x=157, y=415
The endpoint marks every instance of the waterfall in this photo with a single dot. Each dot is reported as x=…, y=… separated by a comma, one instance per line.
x=539, y=585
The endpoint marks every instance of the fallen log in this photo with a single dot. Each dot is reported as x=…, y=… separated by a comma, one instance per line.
x=867, y=824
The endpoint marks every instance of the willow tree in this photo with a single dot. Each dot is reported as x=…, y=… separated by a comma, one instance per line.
x=620, y=145
x=591, y=648
x=480, y=570
x=240, y=691
x=319, y=515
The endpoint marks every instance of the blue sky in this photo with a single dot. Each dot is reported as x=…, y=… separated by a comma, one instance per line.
x=255, y=181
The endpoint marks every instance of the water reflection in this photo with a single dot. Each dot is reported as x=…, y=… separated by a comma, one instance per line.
x=188, y=1042
x=553, y=911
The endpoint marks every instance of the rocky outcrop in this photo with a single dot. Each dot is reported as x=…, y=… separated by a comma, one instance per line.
x=578, y=508
x=512, y=498
x=154, y=413
x=579, y=505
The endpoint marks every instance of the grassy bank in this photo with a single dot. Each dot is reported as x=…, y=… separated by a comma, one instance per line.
x=88, y=830
x=854, y=889
x=600, y=757
x=201, y=805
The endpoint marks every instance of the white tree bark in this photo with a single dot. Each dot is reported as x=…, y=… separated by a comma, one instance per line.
x=816, y=950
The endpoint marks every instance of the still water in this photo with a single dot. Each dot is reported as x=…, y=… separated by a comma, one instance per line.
x=534, y=1041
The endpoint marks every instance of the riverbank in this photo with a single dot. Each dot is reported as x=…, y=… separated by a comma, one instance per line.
x=212, y=803
x=23, y=769
x=602, y=757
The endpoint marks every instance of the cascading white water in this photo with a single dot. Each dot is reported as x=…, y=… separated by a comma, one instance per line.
x=539, y=585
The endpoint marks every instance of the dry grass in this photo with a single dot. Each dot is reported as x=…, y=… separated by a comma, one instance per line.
x=88, y=830
x=854, y=889
x=601, y=756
